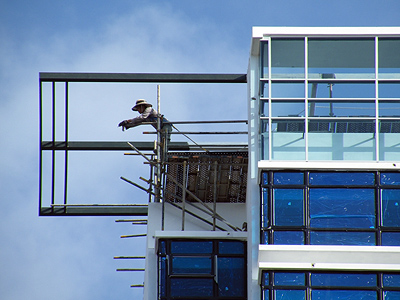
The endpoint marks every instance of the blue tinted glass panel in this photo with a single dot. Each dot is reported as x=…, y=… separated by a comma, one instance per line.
x=266, y=295
x=191, y=265
x=342, y=280
x=265, y=207
x=287, y=90
x=231, y=277
x=389, y=90
x=290, y=294
x=342, y=90
x=343, y=295
x=287, y=58
x=265, y=178
x=391, y=280
x=231, y=247
x=390, y=178
x=162, y=247
x=191, y=287
x=345, y=108
x=264, y=238
x=265, y=279
x=183, y=247
x=339, y=178
x=391, y=295
x=389, y=108
x=342, y=238
x=391, y=208
x=289, y=207
x=342, y=208
x=163, y=268
x=288, y=238
x=288, y=178
x=390, y=238
x=289, y=279
x=287, y=108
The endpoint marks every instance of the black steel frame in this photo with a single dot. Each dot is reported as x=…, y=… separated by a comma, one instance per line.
x=66, y=145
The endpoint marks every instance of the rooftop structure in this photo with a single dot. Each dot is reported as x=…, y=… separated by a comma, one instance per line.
x=307, y=209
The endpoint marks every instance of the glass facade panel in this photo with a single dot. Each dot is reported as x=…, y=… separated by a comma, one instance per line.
x=287, y=140
x=217, y=272
x=336, y=108
x=343, y=280
x=331, y=208
x=391, y=280
x=344, y=294
x=342, y=238
x=388, y=58
x=342, y=208
x=389, y=109
x=288, y=207
x=391, y=295
x=390, y=208
x=342, y=178
x=288, y=238
x=231, y=277
x=191, y=287
x=287, y=58
x=290, y=294
x=343, y=57
x=287, y=90
x=185, y=247
x=287, y=109
x=191, y=265
x=264, y=60
x=344, y=90
x=389, y=89
x=289, y=279
x=390, y=238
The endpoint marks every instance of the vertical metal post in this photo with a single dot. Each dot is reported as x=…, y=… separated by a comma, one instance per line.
x=158, y=183
x=40, y=145
x=66, y=144
x=53, y=166
x=183, y=194
x=215, y=194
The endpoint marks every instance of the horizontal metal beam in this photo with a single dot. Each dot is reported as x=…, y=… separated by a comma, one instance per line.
x=143, y=146
x=94, y=211
x=143, y=77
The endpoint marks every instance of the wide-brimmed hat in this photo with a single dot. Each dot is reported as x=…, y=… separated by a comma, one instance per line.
x=139, y=103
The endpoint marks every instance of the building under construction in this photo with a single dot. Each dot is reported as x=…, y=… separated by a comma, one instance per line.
x=308, y=208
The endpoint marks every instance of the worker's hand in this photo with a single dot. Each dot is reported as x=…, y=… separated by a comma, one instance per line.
x=123, y=125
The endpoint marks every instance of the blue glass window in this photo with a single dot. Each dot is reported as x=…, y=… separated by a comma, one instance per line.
x=191, y=265
x=342, y=208
x=342, y=178
x=344, y=295
x=391, y=280
x=289, y=279
x=390, y=178
x=290, y=294
x=288, y=238
x=183, y=247
x=233, y=247
x=231, y=278
x=342, y=238
x=191, y=287
x=208, y=270
x=343, y=280
x=391, y=208
x=288, y=178
x=390, y=238
x=391, y=295
x=289, y=207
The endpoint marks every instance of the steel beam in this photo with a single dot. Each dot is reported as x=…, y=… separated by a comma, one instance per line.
x=143, y=77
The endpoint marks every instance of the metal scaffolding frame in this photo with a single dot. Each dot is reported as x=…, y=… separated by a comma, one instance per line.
x=65, y=146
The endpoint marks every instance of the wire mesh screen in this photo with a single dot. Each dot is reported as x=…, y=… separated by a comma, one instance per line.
x=219, y=176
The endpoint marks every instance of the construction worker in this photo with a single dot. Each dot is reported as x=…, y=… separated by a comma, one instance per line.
x=149, y=114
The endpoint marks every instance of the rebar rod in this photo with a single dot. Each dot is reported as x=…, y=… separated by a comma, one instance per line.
x=130, y=270
x=133, y=235
x=201, y=132
x=129, y=257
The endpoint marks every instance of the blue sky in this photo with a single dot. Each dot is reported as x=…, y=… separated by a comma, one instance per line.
x=71, y=258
